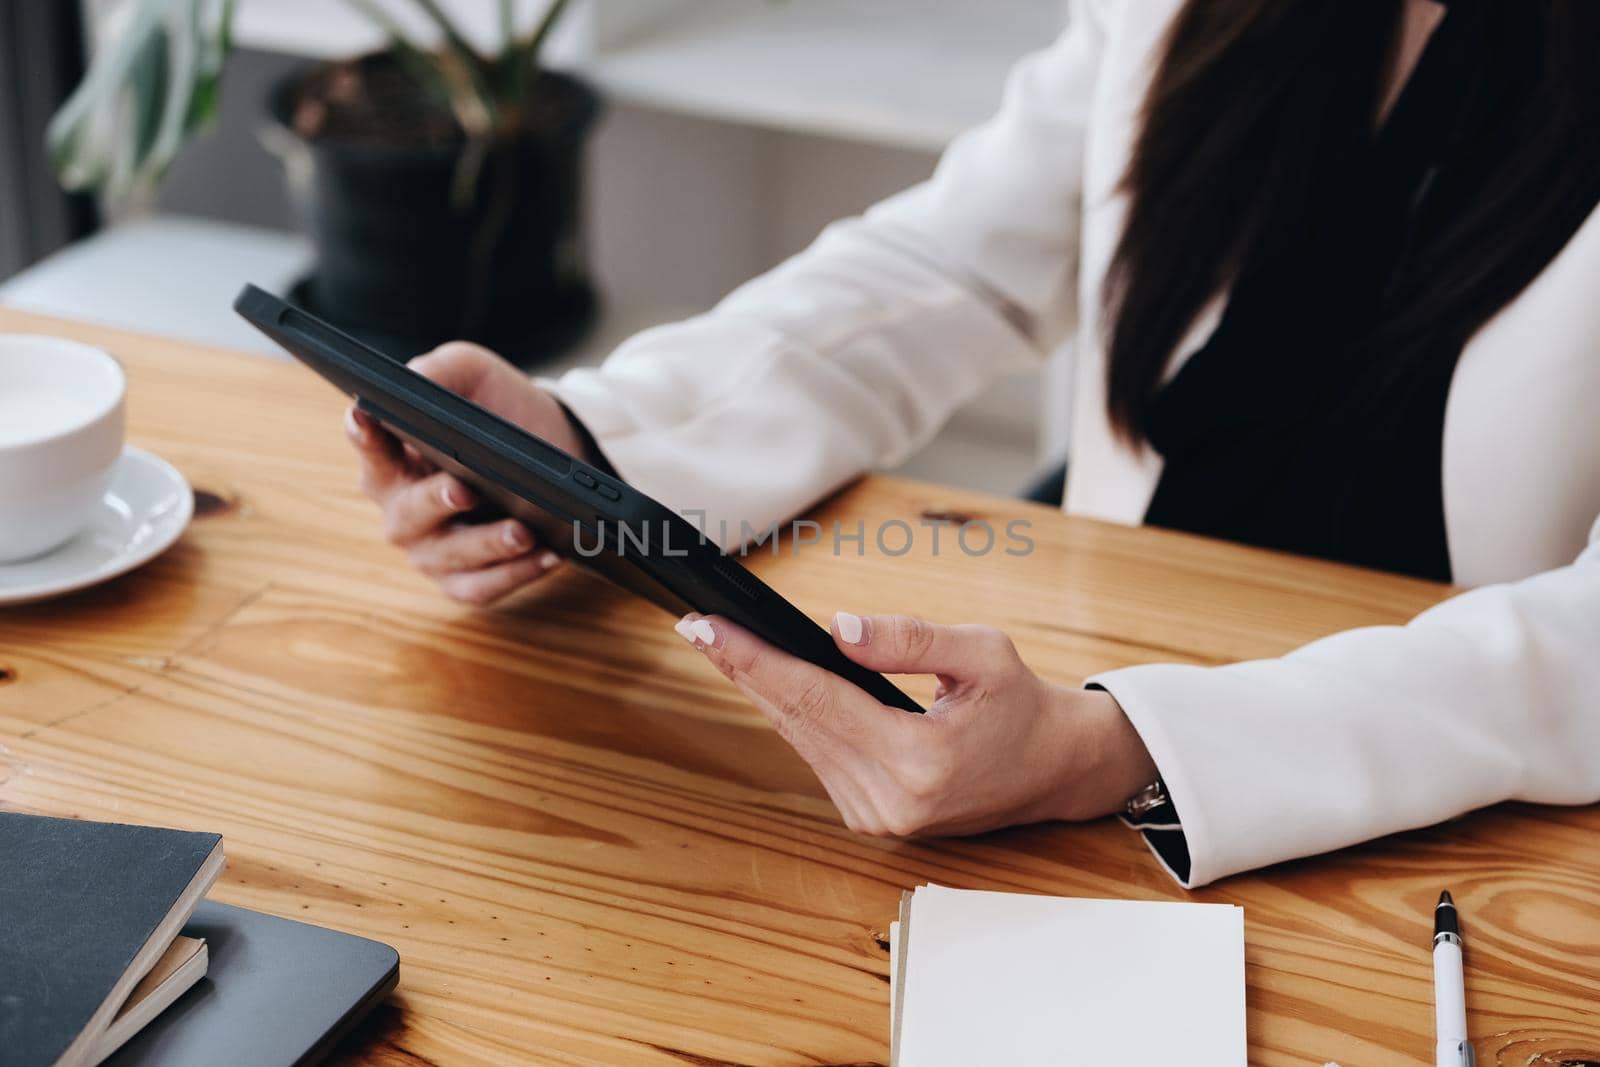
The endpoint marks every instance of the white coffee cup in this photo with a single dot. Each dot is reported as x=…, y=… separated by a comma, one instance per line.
x=61, y=427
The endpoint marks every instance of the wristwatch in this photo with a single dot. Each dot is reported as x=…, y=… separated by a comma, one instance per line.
x=1147, y=800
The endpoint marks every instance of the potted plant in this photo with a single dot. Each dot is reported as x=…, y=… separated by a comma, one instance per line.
x=440, y=186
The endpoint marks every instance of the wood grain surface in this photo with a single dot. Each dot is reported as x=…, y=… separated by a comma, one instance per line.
x=588, y=850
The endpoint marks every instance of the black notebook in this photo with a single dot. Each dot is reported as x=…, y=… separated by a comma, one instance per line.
x=277, y=993
x=86, y=909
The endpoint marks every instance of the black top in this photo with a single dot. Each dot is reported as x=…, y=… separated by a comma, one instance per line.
x=1273, y=432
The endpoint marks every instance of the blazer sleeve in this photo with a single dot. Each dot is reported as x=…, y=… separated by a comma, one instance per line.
x=853, y=353
x=1488, y=696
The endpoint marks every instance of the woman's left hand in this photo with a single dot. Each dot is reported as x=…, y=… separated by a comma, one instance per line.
x=999, y=746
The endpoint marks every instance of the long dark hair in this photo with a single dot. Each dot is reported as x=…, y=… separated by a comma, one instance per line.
x=1251, y=101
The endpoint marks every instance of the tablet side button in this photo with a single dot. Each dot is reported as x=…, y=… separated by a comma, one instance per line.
x=609, y=492
x=583, y=478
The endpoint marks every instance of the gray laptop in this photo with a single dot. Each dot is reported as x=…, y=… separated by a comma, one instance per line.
x=276, y=993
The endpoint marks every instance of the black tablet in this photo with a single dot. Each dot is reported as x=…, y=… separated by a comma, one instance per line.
x=585, y=514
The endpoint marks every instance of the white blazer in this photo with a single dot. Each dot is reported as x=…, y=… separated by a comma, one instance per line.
x=853, y=353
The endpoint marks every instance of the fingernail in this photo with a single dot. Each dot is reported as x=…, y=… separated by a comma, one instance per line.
x=455, y=497
x=548, y=560
x=352, y=425
x=852, y=628
x=515, y=536
x=698, y=632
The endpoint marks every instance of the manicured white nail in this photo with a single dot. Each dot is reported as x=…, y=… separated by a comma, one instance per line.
x=703, y=633
x=548, y=560
x=352, y=427
x=852, y=628
x=682, y=629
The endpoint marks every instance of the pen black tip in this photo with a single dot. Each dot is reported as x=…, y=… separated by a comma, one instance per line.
x=1444, y=918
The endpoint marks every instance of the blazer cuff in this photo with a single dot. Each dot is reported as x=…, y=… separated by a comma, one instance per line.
x=1184, y=844
x=1170, y=848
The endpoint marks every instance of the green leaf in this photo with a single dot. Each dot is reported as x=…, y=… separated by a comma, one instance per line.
x=147, y=78
x=150, y=88
x=527, y=53
x=473, y=72
x=552, y=15
x=508, y=24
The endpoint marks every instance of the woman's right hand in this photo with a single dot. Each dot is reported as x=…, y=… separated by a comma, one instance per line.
x=422, y=506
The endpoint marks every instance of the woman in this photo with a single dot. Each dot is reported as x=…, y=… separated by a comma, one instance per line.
x=1337, y=267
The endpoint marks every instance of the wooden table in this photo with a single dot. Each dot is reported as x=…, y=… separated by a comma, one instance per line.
x=588, y=849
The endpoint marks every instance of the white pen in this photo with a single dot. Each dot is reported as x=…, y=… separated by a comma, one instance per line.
x=1449, y=988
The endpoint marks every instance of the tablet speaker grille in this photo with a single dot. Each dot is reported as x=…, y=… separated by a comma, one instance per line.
x=738, y=578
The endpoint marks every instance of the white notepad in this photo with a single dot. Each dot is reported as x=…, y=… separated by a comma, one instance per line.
x=1018, y=979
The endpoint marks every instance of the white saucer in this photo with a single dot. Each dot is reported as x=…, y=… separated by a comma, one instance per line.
x=146, y=508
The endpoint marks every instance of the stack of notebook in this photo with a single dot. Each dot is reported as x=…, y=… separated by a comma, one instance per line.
x=90, y=915
x=1012, y=978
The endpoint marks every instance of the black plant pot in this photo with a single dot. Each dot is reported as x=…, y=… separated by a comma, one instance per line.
x=404, y=262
